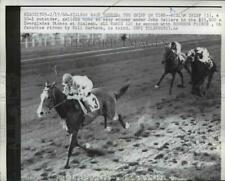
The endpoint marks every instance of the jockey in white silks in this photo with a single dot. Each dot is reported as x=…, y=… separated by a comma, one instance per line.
x=79, y=88
x=176, y=48
x=203, y=56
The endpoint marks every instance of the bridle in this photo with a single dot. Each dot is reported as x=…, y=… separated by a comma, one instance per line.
x=54, y=100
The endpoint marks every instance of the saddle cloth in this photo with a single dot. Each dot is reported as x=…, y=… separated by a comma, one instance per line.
x=92, y=102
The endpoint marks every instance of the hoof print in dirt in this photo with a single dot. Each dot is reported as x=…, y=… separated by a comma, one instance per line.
x=48, y=169
x=98, y=169
x=164, y=146
x=110, y=151
x=141, y=172
x=128, y=140
x=121, y=149
x=52, y=177
x=44, y=174
x=93, y=161
x=45, y=178
x=116, y=160
x=109, y=143
x=150, y=170
x=145, y=134
x=75, y=161
x=82, y=166
x=125, y=167
x=37, y=168
x=133, y=163
x=174, y=160
x=66, y=146
x=159, y=156
x=184, y=162
x=136, y=145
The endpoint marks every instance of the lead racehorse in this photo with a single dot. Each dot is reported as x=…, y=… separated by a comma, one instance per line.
x=71, y=111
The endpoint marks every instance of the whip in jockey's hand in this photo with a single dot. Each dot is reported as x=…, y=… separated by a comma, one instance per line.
x=201, y=54
x=79, y=88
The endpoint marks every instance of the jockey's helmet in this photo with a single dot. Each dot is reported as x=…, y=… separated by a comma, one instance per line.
x=173, y=45
x=67, y=78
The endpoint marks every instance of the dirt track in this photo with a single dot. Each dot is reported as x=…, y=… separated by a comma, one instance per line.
x=179, y=134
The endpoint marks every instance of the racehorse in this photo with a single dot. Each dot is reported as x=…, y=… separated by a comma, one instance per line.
x=173, y=65
x=199, y=72
x=71, y=111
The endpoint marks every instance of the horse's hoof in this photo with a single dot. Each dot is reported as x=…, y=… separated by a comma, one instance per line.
x=156, y=86
x=67, y=167
x=109, y=129
x=127, y=125
x=87, y=146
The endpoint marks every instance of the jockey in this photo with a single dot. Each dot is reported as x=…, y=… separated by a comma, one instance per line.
x=202, y=54
x=176, y=48
x=79, y=88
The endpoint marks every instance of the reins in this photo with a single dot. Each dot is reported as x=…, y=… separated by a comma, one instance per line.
x=55, y=100
x=58, y=104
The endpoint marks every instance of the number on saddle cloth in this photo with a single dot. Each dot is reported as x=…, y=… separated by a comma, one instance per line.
x=92, y=102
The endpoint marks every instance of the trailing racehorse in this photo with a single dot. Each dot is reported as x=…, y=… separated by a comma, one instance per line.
x=172, y=65
x=199, y=72
x=71, y=111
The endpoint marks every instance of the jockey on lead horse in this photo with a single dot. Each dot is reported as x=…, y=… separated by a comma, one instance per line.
x=79, y=88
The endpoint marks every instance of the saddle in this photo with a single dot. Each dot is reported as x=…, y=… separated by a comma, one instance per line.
x=91, y=103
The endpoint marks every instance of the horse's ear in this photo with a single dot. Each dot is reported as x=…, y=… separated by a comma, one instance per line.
x=53, y=84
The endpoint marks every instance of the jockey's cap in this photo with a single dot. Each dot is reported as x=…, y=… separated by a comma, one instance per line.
x=66, y=78
x=173, y=43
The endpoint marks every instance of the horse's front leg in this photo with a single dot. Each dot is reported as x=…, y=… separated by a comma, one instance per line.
x=73, y=143
x=125, y=125
x=182, y=79
x=160, y=80
x=171, y=84
x=107, y=128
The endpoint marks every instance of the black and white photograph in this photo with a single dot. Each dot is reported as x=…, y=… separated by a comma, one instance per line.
x=114, y=103
x=99, y=106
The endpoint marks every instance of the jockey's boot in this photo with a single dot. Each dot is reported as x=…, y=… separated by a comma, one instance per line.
x=86, y=105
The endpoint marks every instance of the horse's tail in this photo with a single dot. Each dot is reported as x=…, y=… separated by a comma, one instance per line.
x=122, y=91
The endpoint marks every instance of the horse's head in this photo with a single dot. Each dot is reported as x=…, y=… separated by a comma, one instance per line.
x=47, y=99
x=190, y=56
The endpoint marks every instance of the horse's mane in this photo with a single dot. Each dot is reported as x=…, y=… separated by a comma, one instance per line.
x=63, y=109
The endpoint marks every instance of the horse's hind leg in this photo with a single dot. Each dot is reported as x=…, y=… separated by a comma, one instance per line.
x=73, y=143
x=160, y=80
x=171, y=84
x=182, y=79
x=210, y=76
x=123, y=124
x=209, y=80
